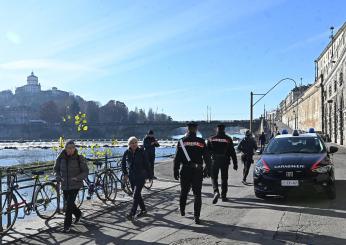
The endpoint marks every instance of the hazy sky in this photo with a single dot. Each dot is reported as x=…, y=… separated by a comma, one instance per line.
x=174, y=56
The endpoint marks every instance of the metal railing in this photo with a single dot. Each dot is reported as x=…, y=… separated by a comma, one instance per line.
x=5, y=173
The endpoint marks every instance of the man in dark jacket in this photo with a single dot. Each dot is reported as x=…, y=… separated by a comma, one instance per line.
x=190, y=153
x=221, y=149
x=149, y=144
x=70, y=169
x=262, y=141
x=247, y=146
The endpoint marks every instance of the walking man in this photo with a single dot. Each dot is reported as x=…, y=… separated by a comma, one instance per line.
x=221, y=149
x=262, y=141
x=149, y=144
x=247, y=147
x=190, y=153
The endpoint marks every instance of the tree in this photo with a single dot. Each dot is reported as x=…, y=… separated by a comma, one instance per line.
x=151, y=115
x=49, y=112
x=133, y=117
x=92, y=111
x=141, y=116
x=74, y=108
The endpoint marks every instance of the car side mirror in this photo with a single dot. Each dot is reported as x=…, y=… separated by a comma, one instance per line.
x=333, y=149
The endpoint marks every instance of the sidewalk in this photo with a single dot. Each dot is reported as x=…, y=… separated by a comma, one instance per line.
x=245, y=219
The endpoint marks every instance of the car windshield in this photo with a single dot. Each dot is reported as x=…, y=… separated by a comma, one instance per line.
x=295, y=145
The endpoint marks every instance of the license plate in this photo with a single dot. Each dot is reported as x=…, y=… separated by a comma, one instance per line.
x=289, y=183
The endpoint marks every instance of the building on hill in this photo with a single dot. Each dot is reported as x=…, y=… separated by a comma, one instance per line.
x=31, y=87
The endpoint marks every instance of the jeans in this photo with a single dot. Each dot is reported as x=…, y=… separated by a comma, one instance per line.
x=70, y=206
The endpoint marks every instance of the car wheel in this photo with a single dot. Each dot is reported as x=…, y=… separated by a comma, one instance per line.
x=331, y=192
x=260, y=195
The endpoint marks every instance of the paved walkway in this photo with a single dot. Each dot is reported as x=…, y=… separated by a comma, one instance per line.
x=244, y=220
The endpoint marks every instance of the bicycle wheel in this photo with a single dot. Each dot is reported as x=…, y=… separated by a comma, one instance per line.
x=9, y=212
x=46, y=200
x=80, y=197
x=125, y=185
x=99, y=186
x=148, y=184
x=111, y=187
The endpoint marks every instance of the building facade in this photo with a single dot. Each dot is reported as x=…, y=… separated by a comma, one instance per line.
x=330, y=75
x=322, y=105
x=31, y=87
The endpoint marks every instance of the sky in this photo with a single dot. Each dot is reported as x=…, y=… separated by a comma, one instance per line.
x=178, y=56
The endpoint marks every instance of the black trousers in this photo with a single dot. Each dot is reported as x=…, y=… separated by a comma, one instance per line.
x=137, y=186
x=151, y=158
x=217, y=166
x=247, y=161
x=70, y=206
x=191, y=177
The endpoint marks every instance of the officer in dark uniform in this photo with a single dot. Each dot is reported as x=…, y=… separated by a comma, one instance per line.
x=247, y=146
x=221, y=149
x=192, y=172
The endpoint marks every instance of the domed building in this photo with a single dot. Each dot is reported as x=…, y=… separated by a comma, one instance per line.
x=31, y=87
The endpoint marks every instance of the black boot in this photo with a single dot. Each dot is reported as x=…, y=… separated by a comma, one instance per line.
x=197, y=220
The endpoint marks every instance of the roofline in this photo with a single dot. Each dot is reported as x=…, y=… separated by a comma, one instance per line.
x=330, y=42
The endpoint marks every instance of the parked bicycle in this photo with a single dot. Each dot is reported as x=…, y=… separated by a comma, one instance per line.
x=101, y=183
x=44, y=199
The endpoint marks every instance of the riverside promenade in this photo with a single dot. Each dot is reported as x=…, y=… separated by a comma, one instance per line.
x=245, y=219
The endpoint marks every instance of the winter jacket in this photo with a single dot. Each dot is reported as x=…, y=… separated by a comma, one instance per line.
x=149, y=147
x=221, y=145
x=136, y=164
x=68, y=167
x=197, y=150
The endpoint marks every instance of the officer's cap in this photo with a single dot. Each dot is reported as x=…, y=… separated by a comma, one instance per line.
x=192, y=124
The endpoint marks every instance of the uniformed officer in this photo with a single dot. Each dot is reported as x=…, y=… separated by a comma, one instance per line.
x=221, y=149
x=190, y=153
x=247, y=146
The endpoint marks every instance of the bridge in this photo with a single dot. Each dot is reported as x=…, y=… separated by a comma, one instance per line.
x=163, y=130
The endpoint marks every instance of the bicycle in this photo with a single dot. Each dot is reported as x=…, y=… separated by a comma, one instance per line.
x=112, y=189
x=102, y=185
x=44, y=199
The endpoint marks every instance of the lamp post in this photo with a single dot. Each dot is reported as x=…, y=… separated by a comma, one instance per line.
x=252, y=104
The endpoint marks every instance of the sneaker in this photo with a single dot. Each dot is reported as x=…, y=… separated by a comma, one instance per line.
x=76, y=221
x=244, y=182
x=182, y=212
x=66, y=229
x=216, y=198
x=142, y=213
x=225, y=199
x=130, y=217
x=197, y=220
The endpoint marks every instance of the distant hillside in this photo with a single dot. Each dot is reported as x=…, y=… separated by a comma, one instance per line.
x=30, y=104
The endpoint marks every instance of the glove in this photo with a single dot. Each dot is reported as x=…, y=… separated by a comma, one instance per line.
x=176, y=175
x=206, y=173
x=235, y=166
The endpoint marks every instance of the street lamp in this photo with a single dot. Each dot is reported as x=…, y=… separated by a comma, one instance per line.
x=252, y=104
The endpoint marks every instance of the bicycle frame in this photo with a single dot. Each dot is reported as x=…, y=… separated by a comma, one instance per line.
x=13, y=189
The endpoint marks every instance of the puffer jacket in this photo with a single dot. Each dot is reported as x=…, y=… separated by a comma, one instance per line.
x=68, y=167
